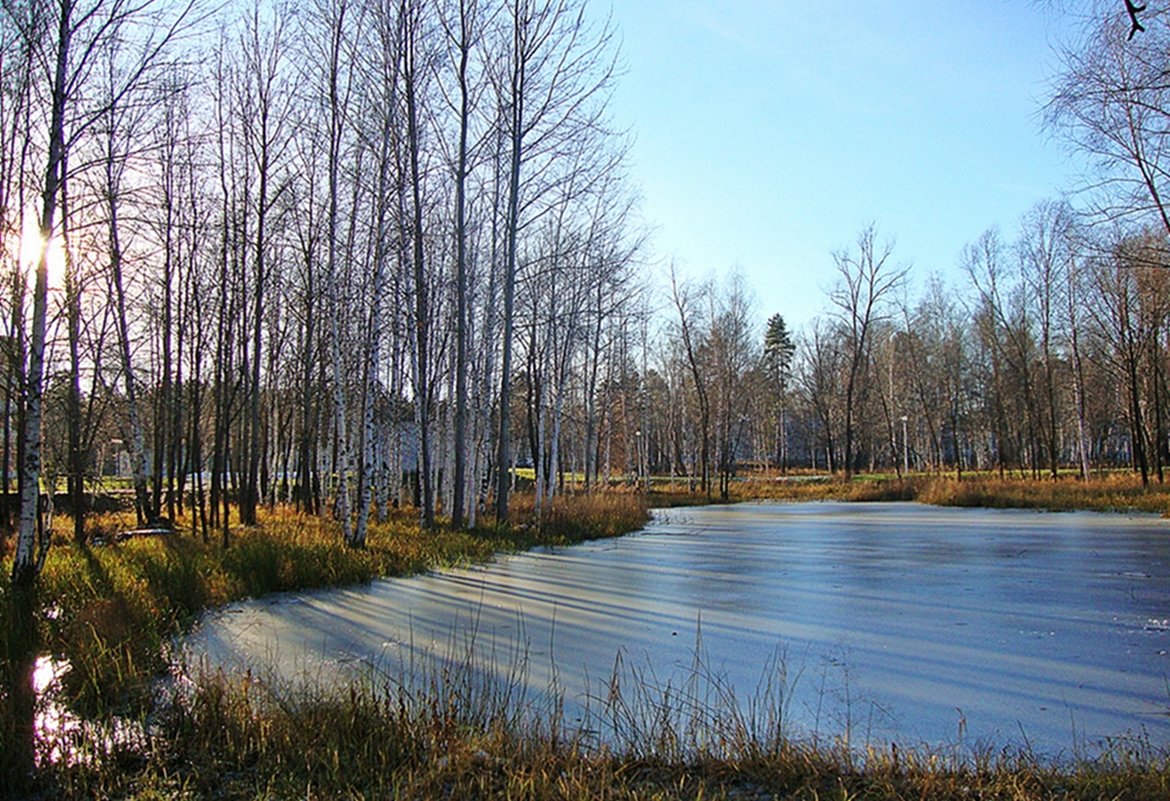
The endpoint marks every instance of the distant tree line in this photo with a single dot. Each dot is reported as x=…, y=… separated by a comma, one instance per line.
x=1051, y=354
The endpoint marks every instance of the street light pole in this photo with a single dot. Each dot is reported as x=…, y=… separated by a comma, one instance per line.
x=637, y=458
x=905, y=448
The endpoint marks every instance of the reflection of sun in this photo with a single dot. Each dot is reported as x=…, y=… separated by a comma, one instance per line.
x=30, y=250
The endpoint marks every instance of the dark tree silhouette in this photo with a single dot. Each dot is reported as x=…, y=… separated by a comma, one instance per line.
x=1133, y=17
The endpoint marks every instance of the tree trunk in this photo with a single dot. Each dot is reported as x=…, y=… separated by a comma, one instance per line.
x=25, y=566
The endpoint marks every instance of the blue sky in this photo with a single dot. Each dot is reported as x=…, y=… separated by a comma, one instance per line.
x=768, y=133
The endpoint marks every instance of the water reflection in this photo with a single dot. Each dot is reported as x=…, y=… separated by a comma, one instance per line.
x=903, y=621
x=37, y=728
x=54, y=726
x=40, y=728
x=18, y=691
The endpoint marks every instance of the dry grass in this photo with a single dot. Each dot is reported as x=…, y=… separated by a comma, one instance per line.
x=111, y=609
x=823, y=488
x=114, y=608
x=234, y=738
x=1112, y=493
x=1121, y=492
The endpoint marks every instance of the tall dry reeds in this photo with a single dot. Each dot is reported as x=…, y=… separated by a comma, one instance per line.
x=1110, y=493
x=466, y=733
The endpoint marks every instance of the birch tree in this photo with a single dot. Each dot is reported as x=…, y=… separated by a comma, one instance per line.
x=31, y=549
x=462, y=23
x=552, y=92
x=67, y=43
x=264, y=100
x=331, y=92
x=382, y=141
x=414, y=69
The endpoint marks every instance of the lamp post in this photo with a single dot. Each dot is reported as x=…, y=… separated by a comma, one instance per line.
x=905, y=448
x=637, y=457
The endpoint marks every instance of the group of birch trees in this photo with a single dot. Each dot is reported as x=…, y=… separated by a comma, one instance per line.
x=297, y=252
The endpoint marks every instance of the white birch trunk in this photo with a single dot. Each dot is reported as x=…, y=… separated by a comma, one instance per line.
x=555, y=445
x=374, y=348
x=538, y=488
x=334, y=299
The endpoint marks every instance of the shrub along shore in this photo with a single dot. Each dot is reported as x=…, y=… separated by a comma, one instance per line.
x=109, y=612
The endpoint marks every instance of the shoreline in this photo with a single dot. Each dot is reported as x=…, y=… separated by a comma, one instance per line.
x=120, y=606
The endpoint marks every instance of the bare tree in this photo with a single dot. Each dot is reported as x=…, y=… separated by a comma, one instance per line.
x=1044, y=260
x=820, y=378
x=866, y=280
x=18, y=59
x=462, y=34
x=264, y=105
x=1074, y=296
x=29, y=557
x=1112, y=102
x=114, y=160
x=414, y=69
x=68, y=45
x=382, y=140
x=332, y=89
x=1130, y=316
x=688, y=321
x=552, y=93
x=732, y=355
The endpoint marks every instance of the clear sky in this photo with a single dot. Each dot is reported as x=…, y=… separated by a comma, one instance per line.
x=768, y=133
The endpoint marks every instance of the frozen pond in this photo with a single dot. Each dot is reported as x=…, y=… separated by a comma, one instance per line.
x=899, y=622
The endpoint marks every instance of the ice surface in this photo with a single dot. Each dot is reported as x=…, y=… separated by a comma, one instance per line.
x=898, y=622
